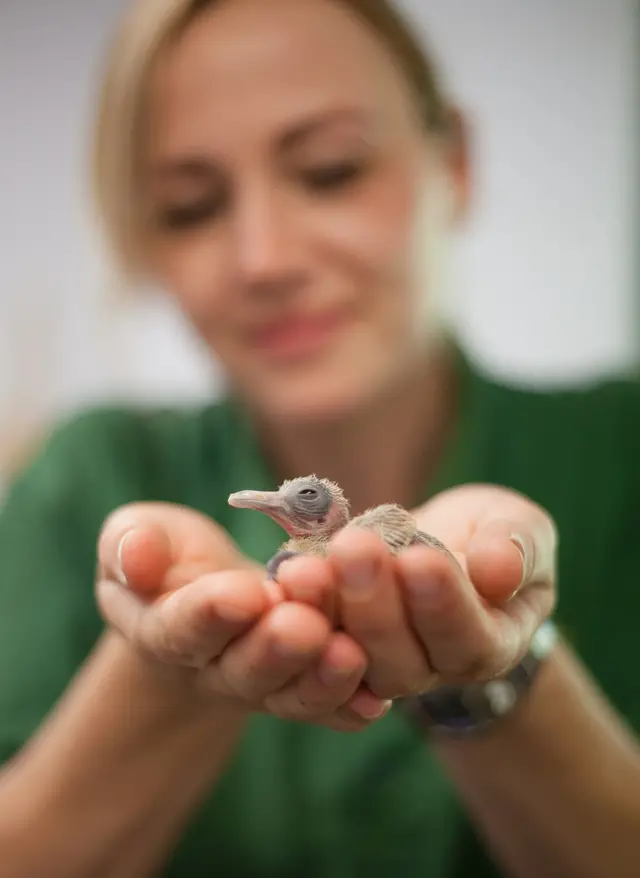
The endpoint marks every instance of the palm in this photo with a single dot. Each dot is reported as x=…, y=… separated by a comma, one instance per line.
x=171, y=547
x=181, y=592
x=483, y=525
x=477, y=521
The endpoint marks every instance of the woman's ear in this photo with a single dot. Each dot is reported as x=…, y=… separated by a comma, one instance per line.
x=458, y=159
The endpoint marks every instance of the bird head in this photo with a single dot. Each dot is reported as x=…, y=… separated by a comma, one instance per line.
x=306, y=506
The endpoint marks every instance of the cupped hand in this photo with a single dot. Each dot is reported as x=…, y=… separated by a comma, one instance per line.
x=427, y=618
x=173, y=583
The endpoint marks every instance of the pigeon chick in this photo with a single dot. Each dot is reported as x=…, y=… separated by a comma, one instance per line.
x=311, y=510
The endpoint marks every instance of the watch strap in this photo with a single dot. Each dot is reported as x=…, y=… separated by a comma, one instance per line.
x=462, y=710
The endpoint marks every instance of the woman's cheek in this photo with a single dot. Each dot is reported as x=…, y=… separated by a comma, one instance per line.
x=190, y=273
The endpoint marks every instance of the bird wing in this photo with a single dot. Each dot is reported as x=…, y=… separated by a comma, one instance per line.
x=420, y=538
x=397, y=527
x=391, y=523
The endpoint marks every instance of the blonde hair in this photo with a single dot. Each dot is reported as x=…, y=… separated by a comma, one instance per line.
x=147, y=28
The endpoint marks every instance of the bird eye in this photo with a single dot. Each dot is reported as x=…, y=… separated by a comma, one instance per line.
x=307, y=492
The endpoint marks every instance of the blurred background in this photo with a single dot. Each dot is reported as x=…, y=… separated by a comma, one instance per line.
x=548, y=275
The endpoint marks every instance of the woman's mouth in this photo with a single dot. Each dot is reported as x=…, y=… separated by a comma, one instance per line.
x=297, y=336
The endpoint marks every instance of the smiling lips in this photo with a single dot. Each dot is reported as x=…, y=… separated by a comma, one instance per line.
x=297, y=336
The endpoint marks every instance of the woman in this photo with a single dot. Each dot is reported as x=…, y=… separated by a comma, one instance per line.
x=291, y=172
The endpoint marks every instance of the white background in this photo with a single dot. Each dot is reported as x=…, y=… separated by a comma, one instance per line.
x=548, y=260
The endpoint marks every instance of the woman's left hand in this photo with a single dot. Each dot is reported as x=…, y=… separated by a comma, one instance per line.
x=425, y=618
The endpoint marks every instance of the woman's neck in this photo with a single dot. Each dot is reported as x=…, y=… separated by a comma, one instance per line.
x=385, y=453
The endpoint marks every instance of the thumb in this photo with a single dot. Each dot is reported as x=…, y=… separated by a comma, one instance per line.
x=504, y=555
x=155, y=548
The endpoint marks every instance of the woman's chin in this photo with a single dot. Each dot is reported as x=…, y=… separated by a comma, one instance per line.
x=318, y=399
x=333, y=386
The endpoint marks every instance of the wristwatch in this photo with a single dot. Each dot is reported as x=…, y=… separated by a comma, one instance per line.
x=464, y=710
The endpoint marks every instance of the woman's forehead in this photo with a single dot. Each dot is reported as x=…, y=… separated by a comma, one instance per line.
x=251, y=64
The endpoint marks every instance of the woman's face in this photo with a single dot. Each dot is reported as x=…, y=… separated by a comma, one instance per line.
x=287, y=173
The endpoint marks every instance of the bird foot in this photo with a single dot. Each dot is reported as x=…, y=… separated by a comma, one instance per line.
x=274, y=564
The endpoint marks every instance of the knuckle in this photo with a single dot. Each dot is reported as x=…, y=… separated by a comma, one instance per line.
x=244, y=686
x=319, y=703
x=183, y=636
x=315, y=705
x=286, y=705
x=164, y=646
x=170, y=643
x=480, y=665
x=209, y=681
x=248, y=679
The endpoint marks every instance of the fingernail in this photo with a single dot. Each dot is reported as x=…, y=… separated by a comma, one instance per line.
x=119, y=571
x=359, y=581
x=375, y=711
x=518, y=542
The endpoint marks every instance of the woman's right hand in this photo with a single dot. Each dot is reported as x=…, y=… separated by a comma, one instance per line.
x=176, y=587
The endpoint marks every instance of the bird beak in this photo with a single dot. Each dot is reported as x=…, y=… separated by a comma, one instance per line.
x=262, y=501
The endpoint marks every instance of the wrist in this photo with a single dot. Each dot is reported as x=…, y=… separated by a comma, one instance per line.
x=127, y=752
x=170, y=691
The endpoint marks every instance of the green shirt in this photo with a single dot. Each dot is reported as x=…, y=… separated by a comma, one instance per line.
x=296, y=799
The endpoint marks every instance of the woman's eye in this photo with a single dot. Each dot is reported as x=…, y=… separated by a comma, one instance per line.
x=188, y=215
x=334, y=176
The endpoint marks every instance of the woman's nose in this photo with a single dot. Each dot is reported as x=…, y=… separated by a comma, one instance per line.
x=268, y=240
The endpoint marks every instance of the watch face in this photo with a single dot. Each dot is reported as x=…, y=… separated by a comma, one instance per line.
x=447, y=709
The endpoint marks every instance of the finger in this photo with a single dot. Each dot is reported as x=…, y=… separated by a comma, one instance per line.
x=461, y=636
x=505, y=555
x=192, y=625
x=525, y=613
x=360, y=713
x=310, y=580
x=160, y=547
x=120, y=607
x=372, y=612
x=325, y=687
x=287, y=640
x=143, y=557
x=458, y=516
x=197, y=622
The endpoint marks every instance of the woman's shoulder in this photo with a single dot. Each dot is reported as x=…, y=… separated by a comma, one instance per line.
x=573, y=450
x=596, y=418
x=616, y=395
x=526, y=419
x=123, y=453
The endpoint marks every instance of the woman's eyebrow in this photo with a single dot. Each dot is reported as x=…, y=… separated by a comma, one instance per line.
x=185, y=168
x=200, y=169
x=319, y=121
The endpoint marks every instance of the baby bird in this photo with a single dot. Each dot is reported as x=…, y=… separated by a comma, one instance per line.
x=311, y=510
